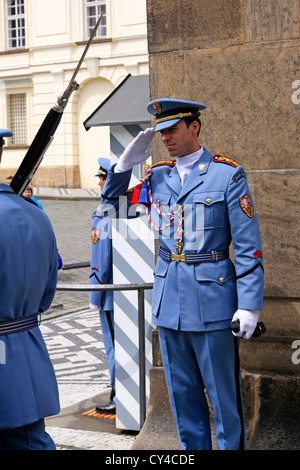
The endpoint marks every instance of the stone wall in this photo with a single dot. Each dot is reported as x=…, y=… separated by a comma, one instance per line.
x=241, y=58
x=49, y=177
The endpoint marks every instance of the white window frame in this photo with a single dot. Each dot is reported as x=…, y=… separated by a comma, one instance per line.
x=91, y=18
x=19, y=29
x=25, y=89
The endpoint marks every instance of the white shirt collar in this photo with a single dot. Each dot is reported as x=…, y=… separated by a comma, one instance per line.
x=185, y=164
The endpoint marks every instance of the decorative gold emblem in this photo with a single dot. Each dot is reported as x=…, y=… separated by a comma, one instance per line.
x=201, y=166
x=156, y=107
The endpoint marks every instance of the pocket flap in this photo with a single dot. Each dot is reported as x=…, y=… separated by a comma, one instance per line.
x=214, y=272
x=209, y=198
x=161, y=198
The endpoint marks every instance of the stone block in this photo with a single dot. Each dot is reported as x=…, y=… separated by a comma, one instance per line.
x=272, y=410
x=198, y=24
x=195, y=24
x=248, y=91
x=276, y=196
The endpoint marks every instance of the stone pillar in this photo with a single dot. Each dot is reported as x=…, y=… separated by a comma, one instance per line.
x=241, y=58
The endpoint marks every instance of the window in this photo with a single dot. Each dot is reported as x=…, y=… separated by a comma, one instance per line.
x=15, y=24
x=17, y=118
x=93, y=9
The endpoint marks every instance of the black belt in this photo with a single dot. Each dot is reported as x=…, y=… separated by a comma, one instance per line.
x=193, y=258
x=15, y=326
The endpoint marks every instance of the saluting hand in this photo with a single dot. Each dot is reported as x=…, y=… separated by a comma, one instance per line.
x=136, y=152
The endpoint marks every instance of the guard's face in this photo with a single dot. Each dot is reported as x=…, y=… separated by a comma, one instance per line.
x=181, y=140
x=101, y=182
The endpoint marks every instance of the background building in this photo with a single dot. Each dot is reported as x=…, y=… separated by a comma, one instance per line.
x=41, y=42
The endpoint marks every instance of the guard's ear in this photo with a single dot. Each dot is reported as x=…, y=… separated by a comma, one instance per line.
x=195, y=127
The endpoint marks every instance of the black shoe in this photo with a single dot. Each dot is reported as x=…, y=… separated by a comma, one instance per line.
x=109, y=409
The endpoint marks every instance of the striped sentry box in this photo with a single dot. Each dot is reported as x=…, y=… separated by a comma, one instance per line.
x=133, y=263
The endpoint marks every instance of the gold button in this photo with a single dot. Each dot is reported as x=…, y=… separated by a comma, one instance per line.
x=180, y=208
x=158, y=202
x=221, y=279
x=201, y=166
x=208, y=200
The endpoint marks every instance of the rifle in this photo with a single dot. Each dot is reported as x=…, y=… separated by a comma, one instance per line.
x=46, y=132
x=259, y=330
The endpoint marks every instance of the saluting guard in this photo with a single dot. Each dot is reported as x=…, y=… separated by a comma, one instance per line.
x=101, y=272
x=198, y=204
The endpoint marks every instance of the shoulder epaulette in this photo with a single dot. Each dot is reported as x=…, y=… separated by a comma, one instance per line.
x=223, y=159
x=164, y=162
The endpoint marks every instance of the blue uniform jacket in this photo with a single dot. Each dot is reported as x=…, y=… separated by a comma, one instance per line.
x=218, y=209
x=101, y=261
x=28, y=276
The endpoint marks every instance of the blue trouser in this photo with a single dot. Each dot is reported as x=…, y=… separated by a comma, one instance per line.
x=107, y=327
x=194, y=361
x=30, y=437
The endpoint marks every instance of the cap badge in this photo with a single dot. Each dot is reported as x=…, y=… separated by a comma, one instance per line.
x=156, y=107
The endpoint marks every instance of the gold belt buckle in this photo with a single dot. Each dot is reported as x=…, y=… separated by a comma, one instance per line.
x=177, y=258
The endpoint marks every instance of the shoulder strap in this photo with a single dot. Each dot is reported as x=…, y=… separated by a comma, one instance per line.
x=223, y=159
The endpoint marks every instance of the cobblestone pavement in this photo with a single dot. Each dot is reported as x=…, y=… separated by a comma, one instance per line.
x=71, y=221
x=76, y=348
x=72, y=333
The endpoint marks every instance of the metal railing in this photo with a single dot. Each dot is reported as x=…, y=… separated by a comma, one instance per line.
x=140, y=288
x=66, y=267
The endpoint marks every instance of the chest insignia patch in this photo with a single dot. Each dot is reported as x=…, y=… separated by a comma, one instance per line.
x=246, y=205
x=95, y=235
x=227, y=160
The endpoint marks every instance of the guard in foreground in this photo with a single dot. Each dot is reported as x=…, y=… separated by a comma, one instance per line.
x=28, y=275
x=198, y=203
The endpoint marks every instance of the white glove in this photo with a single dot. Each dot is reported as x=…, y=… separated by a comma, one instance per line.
x=136, y=152
x=248, y=322
x=95, y=307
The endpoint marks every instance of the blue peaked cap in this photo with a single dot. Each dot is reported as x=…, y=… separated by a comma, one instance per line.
x=4, y=133
x=104, y=165
x=168, y=111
